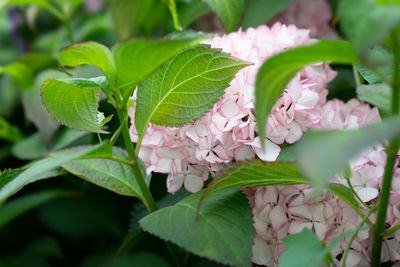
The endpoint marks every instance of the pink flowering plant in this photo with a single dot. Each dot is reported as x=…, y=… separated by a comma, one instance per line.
x=265, y=161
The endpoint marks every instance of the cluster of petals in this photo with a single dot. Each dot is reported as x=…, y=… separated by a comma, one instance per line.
x=228, y=132
x=284, y=210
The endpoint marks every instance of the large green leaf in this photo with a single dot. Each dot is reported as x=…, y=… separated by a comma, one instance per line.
x=278, y=70
x=257, y=173
x=376, y=94
x=137, y=58
x=39, y=170
x=318, y=150
x=19, y=206
x=223, y=231
x=260, y=11
x=74, y=106
x=107, y=173
x=21, y=74
x=90, y=53
x=365, y=22
x=185, y=88
x=228, y=11
x=303, y=250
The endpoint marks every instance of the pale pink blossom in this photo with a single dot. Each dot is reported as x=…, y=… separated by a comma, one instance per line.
x=228, y=132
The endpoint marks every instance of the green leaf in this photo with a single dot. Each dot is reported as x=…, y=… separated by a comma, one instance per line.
x=43, y=3
x=137, y=58
x=260, y=11
x=86, y=215
x=21, y=74
x=108, y=173
x=303, y=250
x=21, y=205
x=223, y=231
x=38, y=171
x=72, y=105
x=379, y=95
x=9, y=132
x=257, y=173
x=105, y=120
x=90, y=53
x=191, y=11
x=365, y=22
x=8, y=175
x=228, y=11
x=382, y=62
x=278, y=70
x=30, y=148
x=36, y=111
x=34, y=146
x=37, y=62
x=318, y=150
x=344, y=193
x=124, y=13
x=185, y=88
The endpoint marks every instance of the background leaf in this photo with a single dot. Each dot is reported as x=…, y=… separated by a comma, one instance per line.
x=260, y=11
x=33, y=146
x=72, y=105
x=382, y=61
x=378, y=95
x=278, y=70
x=38, y=171
x=318, y=150
x=17, y=207
x=36, y=111
x=223, y=231
x=185, y=88
x=9, y=132
x=21, y=74
x=43, y=3
x=365, y=22
x=137, y=58
x=124, y=14
x=303, y=250
x=228, y=11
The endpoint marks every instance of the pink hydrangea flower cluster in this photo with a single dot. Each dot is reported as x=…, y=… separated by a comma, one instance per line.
x=284, y=210
x=228, y=132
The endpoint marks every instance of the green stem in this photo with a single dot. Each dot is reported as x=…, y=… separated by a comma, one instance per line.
x=391, y=230
x=355, y=193
x=69, y=32
x=356, y=76
x=391, y=152
x=353, y=236
x=115, y=136
x=149, y=200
